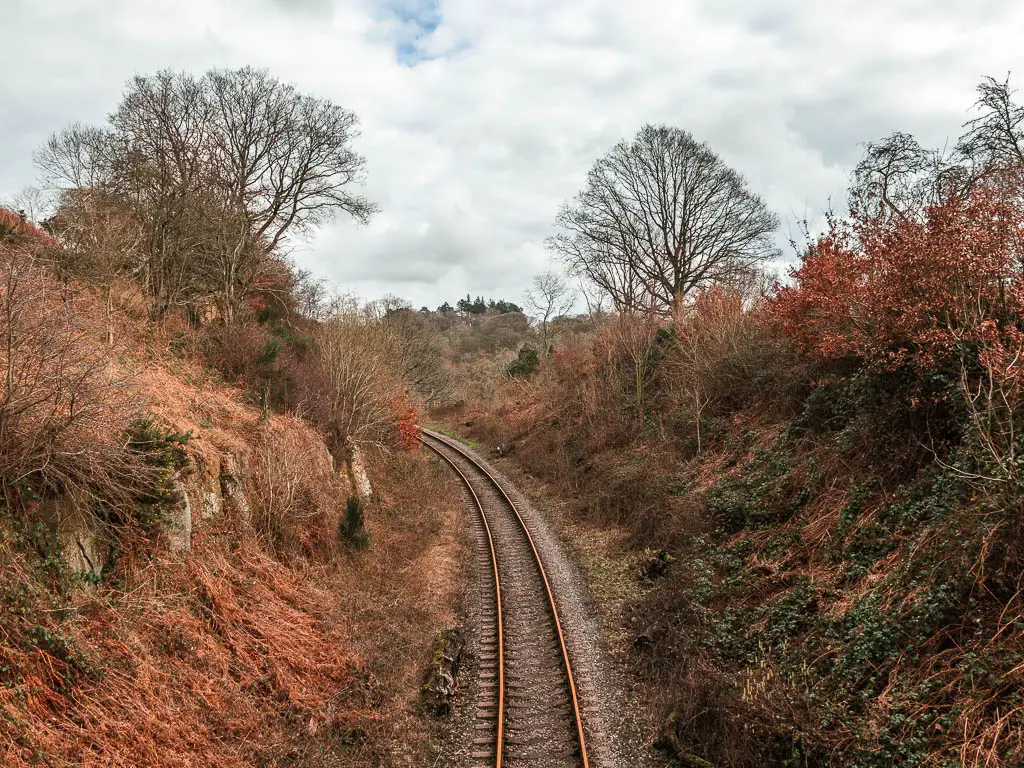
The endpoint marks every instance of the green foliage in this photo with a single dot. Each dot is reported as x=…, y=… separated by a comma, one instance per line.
x=472, y=306
x=288, y=335
x=502, y=307
x=770, y=491
x=525, y=364
x=478, y=306
x=896, y=420
x=163, y=451
x=271, y=351
x=837, y=662
x=351, y=528
x=914, y=508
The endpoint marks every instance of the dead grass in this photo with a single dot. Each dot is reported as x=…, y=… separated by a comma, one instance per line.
x=403, y=594
x=224, y=659
x=235, y=658
x=269, y=644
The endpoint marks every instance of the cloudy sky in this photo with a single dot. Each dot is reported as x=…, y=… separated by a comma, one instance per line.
x=479, y=117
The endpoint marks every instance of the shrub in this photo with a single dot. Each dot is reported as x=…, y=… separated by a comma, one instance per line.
x=355, y=381
x=266, y=360
x=162, y=450
x=525, y=364
x=63, y=406
x=407, y=424
x=351, y=528
x=722, y=358
x=918, y=290
x=292, y=495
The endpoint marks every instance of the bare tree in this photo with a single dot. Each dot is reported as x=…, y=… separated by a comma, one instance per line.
x=76, y=157
x=660, y=216
x=632, y=335
x=309, y=294
x=595, y=298
x=34, y=203
x=895, y=178
x=282, y=162
x=220, y=171
x=899, y=178
x=550, y=297
x=996, y=137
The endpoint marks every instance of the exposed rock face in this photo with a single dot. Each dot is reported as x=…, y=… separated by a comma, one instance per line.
x=232, y=489
x=84, y=548
x=179, y=521
x=441, y=677
x=357, y=469
x=210, y=496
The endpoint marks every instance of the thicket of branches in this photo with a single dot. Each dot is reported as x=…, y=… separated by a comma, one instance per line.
x=71, y=428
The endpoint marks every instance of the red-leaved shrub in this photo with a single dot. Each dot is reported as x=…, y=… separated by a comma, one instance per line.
x=896, y=291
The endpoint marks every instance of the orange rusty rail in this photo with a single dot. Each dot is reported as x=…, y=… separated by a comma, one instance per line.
x=499, y=740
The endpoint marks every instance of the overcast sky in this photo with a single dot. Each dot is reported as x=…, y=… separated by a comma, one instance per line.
x=479, y=117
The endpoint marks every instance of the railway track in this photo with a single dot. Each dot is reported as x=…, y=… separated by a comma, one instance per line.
x=528, y=710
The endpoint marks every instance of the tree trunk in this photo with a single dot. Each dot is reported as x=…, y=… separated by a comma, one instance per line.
x=353, y=468
x=357, y=472
x=109, y=316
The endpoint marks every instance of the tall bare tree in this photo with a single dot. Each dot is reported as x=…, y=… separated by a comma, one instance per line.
x=895, y=177
x=282, y=162
x=899, y=178
x=550, y=297
x=659, y=216
x=219, y=170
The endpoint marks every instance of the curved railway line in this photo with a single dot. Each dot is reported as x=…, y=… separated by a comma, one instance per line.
x=528, y=710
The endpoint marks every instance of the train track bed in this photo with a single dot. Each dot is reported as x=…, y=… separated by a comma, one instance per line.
x=539, y=725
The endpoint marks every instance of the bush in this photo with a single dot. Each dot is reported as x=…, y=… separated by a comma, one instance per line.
x=63, y=406
x=292, y=495
x=921, y=290
x=351, y=528
x=266, y=360
x=525, y=364
x=164, y=452
x=723, y=358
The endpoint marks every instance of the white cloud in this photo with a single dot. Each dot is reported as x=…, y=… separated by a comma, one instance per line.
x=479, y=118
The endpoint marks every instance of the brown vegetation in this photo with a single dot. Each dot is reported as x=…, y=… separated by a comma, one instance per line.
x=269, y=643
x=827, y=478
x=181, y=579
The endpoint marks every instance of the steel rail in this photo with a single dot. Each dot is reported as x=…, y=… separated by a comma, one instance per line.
x=499, y=741
x=540, y=565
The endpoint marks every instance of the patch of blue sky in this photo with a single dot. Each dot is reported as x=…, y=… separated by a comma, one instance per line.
x=416, y=21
